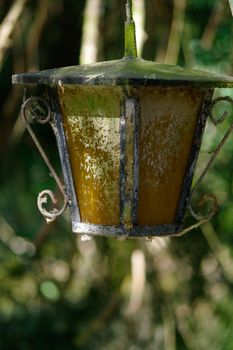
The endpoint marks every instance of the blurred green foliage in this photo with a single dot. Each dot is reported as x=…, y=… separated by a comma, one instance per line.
x=59, y=291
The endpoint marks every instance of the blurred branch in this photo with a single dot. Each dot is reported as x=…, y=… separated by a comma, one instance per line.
x=17, y=132
x=169, y=329
x=157, y=22
x=8, y=116
x=176, y=32
x=173, y=313
x=23, y=59
x=88, y=52
x=188, y=54
x=8, y=25
x=185, y=331
x=231, y=6
x=42, y=235
x=213, y=23
x=138, y=282
x=220, y=251
x=97, y=323
x=35, y=34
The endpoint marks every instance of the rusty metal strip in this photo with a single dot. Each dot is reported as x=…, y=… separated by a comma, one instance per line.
x=123, y=232
x=64, y=157
x=204, y=113
x=129, y=162
x=122, y=163
x=136, y=163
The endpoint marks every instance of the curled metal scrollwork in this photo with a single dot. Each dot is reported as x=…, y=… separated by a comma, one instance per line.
x=36, y=109
x=209, y=198
x=43, y=199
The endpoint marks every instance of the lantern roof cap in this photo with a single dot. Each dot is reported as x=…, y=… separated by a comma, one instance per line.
x=126, y=71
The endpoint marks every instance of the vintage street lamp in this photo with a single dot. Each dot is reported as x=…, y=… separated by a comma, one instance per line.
x=128, y=134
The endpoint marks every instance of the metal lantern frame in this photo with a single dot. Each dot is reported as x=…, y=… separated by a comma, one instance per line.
x=139, y=73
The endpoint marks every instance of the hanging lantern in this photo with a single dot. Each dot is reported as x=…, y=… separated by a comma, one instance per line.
x=128, y=134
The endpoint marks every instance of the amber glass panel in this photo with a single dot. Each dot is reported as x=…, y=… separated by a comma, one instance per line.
x=167, y=124
x=91, y=118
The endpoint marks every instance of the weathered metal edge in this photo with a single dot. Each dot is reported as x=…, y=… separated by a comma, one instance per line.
x=64, y=157
x=130, y=111
x=81, y=80
x=136, y=162
x=193, y=156
x=120, y=231
x=122, y=175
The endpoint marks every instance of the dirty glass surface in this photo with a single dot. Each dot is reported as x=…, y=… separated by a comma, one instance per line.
x=167, y=124
x=91, y=117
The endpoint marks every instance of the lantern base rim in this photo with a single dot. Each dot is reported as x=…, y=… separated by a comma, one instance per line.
x=124, y=232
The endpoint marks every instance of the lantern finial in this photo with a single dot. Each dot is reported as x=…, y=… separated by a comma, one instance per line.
x=130, y=35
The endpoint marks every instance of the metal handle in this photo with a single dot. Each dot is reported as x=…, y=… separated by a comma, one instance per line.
x=33, y=110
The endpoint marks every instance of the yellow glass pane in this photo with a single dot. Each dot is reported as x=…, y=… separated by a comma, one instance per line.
x=167, y=124
x=91, y=117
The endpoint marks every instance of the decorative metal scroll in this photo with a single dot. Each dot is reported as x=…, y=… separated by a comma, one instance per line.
x=209, y=198
x=36, y=109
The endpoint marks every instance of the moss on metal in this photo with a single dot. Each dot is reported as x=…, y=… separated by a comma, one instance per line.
x=98, y=102
x=130, y=40
x=126, y=71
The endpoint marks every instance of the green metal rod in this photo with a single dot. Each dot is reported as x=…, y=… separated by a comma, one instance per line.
x=130, y=34
x=129, y=11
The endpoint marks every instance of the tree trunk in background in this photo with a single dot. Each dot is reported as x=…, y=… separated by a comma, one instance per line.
x=62, y=46
x=111, y=30
x=158, y=17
